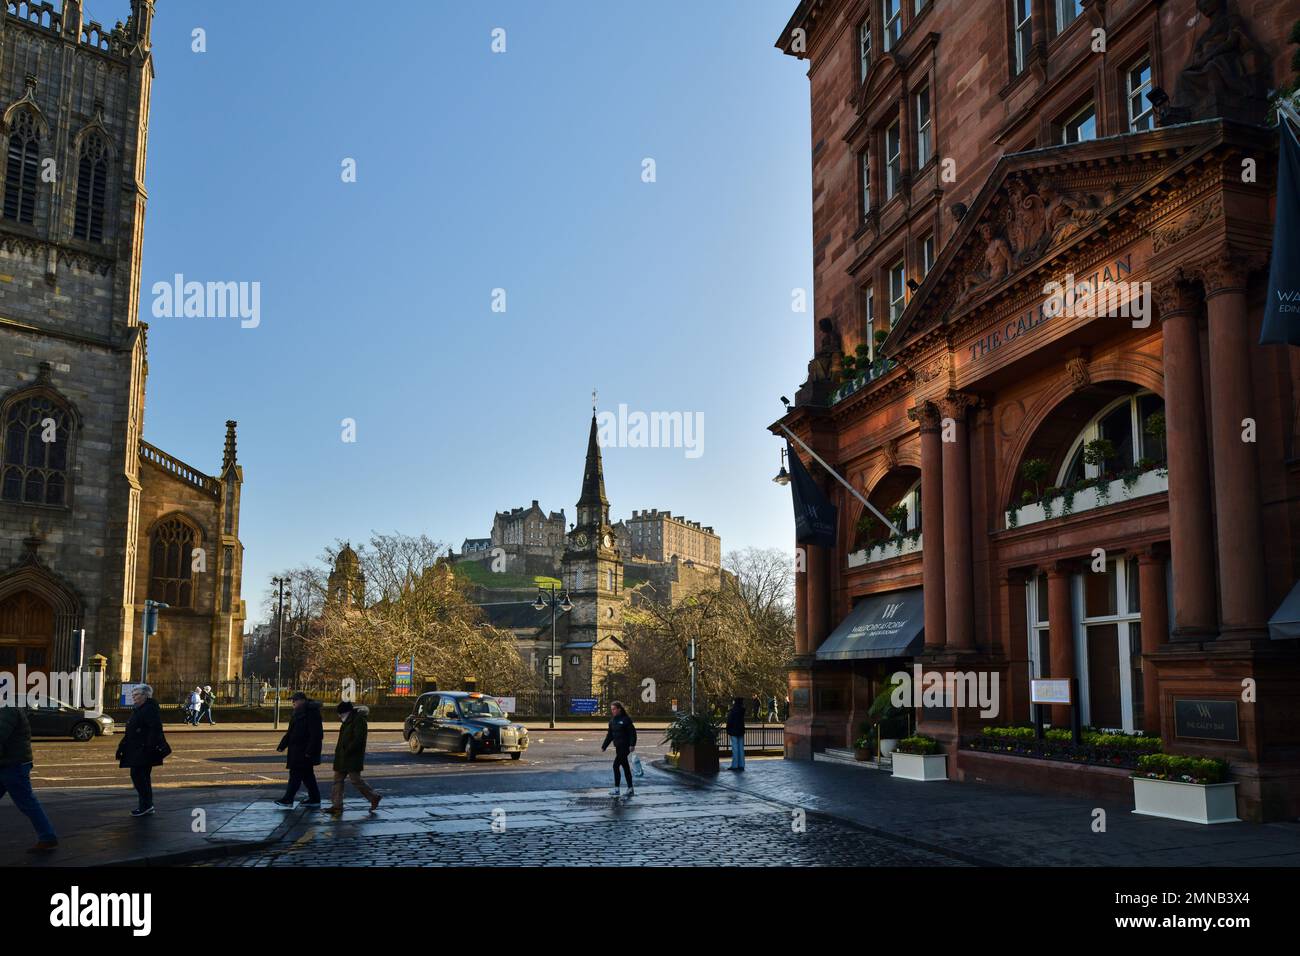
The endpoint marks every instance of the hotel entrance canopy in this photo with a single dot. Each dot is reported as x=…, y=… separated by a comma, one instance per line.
x=883, y=625
x=1285, y=622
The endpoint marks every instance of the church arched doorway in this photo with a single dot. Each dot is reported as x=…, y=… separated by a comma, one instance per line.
x=26, y=631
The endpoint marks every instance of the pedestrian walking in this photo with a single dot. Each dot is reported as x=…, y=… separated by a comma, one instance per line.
x=774, y=711
x=192, y=710
x=303, y=740
x=16, y=774
x=757, y=708
x=350, y=756
x=143, y=746
x=736, y=731
x=206, y=700
x=622, y=734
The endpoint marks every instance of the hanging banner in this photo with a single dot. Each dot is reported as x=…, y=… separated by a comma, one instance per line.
x=814, y=515
x=1282, y=309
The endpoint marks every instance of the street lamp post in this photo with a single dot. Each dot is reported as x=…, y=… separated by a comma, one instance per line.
x=279, y=647
x=151, y=609
x=564, y=604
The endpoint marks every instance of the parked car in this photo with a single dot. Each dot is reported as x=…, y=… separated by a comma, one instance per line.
x=463, y=723
x=54, y=718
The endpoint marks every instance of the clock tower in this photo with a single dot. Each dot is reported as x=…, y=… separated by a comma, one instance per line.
x=592, y=567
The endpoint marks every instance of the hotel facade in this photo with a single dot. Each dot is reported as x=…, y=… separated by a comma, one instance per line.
x=1042, y=233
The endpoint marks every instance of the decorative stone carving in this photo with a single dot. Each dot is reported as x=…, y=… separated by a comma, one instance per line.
x=935, y=369
x=954, y=405
x=1174, y=294
x=1228, y=74
x=1189, y=222
x=1078, y=369
x=890, y=453
x=830, y=351
x=926, y=414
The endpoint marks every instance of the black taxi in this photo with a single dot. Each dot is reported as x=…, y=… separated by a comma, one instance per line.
x=460, y=722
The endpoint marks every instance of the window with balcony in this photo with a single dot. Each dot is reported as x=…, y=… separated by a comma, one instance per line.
x=1128, y=432
x=1137, y=85
x=893, y=160
x=892, y=18
x=924, y=127
x=869, y=317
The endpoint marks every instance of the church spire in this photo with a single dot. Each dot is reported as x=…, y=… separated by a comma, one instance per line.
x=593, y=506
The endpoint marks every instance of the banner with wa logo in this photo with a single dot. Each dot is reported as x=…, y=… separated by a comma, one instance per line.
x=814, y=515
x=1282, y=313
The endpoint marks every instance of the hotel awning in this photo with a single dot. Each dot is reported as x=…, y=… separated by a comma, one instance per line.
x=1285, y=622
x=883, y=625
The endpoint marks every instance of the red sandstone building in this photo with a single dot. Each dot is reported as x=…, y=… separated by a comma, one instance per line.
x=1087, y=495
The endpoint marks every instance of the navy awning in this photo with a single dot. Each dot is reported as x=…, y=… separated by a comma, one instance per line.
x=883, y=625
x=1285, y=622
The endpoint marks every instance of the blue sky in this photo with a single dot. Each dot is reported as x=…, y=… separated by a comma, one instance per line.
x=476, y=171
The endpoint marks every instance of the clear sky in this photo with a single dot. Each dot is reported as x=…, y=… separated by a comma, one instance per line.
x=476, y=171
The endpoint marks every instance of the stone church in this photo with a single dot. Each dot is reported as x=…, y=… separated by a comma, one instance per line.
x=93, y=519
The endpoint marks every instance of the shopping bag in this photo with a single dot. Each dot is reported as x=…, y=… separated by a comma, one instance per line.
x=637, y=767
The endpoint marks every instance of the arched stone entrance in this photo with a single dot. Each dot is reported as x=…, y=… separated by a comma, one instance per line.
x=37, y=617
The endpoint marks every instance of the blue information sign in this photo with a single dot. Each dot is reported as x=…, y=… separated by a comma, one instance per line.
x=584, y=705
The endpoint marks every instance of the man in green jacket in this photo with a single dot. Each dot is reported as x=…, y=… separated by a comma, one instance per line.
x=16, y=774
x=350, y=756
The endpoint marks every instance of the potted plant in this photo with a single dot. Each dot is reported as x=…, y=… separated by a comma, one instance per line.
x=897, y=516
x=920, y=758
x=694, y=738
x=864, y=747
x=890, y=721
x=1034, y=472
x=1192, y=789
x=1098, y=453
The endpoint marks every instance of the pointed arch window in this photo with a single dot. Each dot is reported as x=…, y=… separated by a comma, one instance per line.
x=34, y=451
x=22, y=167
x=171, y=574
x=92, y=189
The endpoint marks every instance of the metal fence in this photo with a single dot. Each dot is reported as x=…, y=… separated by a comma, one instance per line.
x=765, y=737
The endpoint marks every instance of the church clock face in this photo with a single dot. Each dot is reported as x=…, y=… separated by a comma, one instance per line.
x=580, y=539
x=608, y=540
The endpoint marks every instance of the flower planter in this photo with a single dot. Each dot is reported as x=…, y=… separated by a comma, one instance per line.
x=885, y=551
x=1190, y=802
x=862, y=753
x=887, y=745
x=1148, y=483
x=698, y=758
x=920, y=766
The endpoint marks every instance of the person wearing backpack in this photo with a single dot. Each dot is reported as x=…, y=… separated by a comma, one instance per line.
x=622, y=734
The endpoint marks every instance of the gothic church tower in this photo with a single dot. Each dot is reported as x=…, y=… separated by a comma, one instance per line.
x=592, y=567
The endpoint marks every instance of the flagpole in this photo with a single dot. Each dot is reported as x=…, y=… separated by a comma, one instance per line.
x=834, y=474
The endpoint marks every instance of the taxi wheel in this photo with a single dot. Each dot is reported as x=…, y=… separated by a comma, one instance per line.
x=471, y=751
x=516, y=755
x=84, y=730
x=413, y=742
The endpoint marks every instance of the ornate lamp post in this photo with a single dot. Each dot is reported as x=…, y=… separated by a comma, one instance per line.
x=545, y=600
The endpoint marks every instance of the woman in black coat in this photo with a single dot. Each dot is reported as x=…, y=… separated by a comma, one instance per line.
x=622, y=734
x=143, y=746
x=303, y=741
x=736, y=731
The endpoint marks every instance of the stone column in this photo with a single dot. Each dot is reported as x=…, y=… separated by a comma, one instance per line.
x=1237, y=508
x=800, y=599
x=1155, y=631
x=932, y=525
x=1192, y=542
x=1060, y=624
x=957, y=574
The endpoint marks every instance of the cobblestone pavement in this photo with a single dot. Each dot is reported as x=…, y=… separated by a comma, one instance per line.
x=663, y=825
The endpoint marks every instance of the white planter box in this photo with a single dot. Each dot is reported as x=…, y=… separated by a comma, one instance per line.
x=882, y=552
x=1190, y=802
x=887, y=745
x=921, y=766
x=1148, y=483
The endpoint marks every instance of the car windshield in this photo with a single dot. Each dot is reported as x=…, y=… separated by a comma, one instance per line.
x=480, y=707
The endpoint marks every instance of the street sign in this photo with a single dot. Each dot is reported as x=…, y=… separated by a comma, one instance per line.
x=584, y=705
x=402, y=675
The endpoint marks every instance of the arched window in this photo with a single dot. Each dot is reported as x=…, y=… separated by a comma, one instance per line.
x=34, y=451
x=92, y=189
x=898, y=497
x=22, y=168
x=171, y=575
x=1129, y=430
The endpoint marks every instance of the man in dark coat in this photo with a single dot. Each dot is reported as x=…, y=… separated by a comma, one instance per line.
x=622, y=734
x=303, y=740
x=350, y=756
x=16, y=774
x=736, y=731
x=143, y=746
